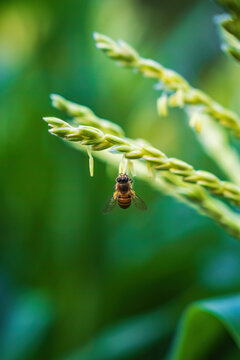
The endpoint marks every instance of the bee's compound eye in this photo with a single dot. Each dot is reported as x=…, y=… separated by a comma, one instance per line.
x=118, y=179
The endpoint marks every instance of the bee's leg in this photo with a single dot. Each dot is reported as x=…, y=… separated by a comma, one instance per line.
x=115, y=195
x=132, y=193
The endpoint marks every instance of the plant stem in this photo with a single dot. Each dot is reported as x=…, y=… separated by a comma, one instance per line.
x=181, y=92
x=172, y=180
x=176, y=91
x=196, y=197
x=229, y=26
x=154, y=158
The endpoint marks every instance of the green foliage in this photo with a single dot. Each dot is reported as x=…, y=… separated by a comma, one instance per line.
x=180, y=92
x=232, y=6
x=230, y=27
x=77, y=284
x=202, y=327
x=154, y=159
x=201, y=318
x=201, y=109
x=206, y=320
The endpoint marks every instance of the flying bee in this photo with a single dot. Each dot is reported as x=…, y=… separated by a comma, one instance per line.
x=124, y=195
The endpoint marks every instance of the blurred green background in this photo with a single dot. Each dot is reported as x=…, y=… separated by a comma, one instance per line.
x=75, y=284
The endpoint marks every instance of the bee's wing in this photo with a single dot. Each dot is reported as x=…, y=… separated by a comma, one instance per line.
x=110, y=205
x=139, y=203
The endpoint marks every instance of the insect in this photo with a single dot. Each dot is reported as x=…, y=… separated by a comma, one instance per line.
x=124, y=195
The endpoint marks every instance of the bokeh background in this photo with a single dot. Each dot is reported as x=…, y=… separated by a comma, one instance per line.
x=75, y=284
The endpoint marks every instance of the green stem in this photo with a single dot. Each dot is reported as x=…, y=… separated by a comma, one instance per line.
x=171, y=180
x=229, y=26
x=201, y=109
x=171, y=185
x=215, y=142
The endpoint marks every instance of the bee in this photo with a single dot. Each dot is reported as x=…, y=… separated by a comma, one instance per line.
x=124, y=195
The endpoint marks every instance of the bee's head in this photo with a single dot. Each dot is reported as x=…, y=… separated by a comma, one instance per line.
x=123, y=178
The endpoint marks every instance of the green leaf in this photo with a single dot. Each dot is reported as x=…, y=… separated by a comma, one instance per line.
x=203, y=324
x=230, y=5
x=229, y=27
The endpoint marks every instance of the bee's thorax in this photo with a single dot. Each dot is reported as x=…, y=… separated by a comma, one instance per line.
x=123, y=188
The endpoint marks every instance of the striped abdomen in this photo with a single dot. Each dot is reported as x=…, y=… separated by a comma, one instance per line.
x=124, y=200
